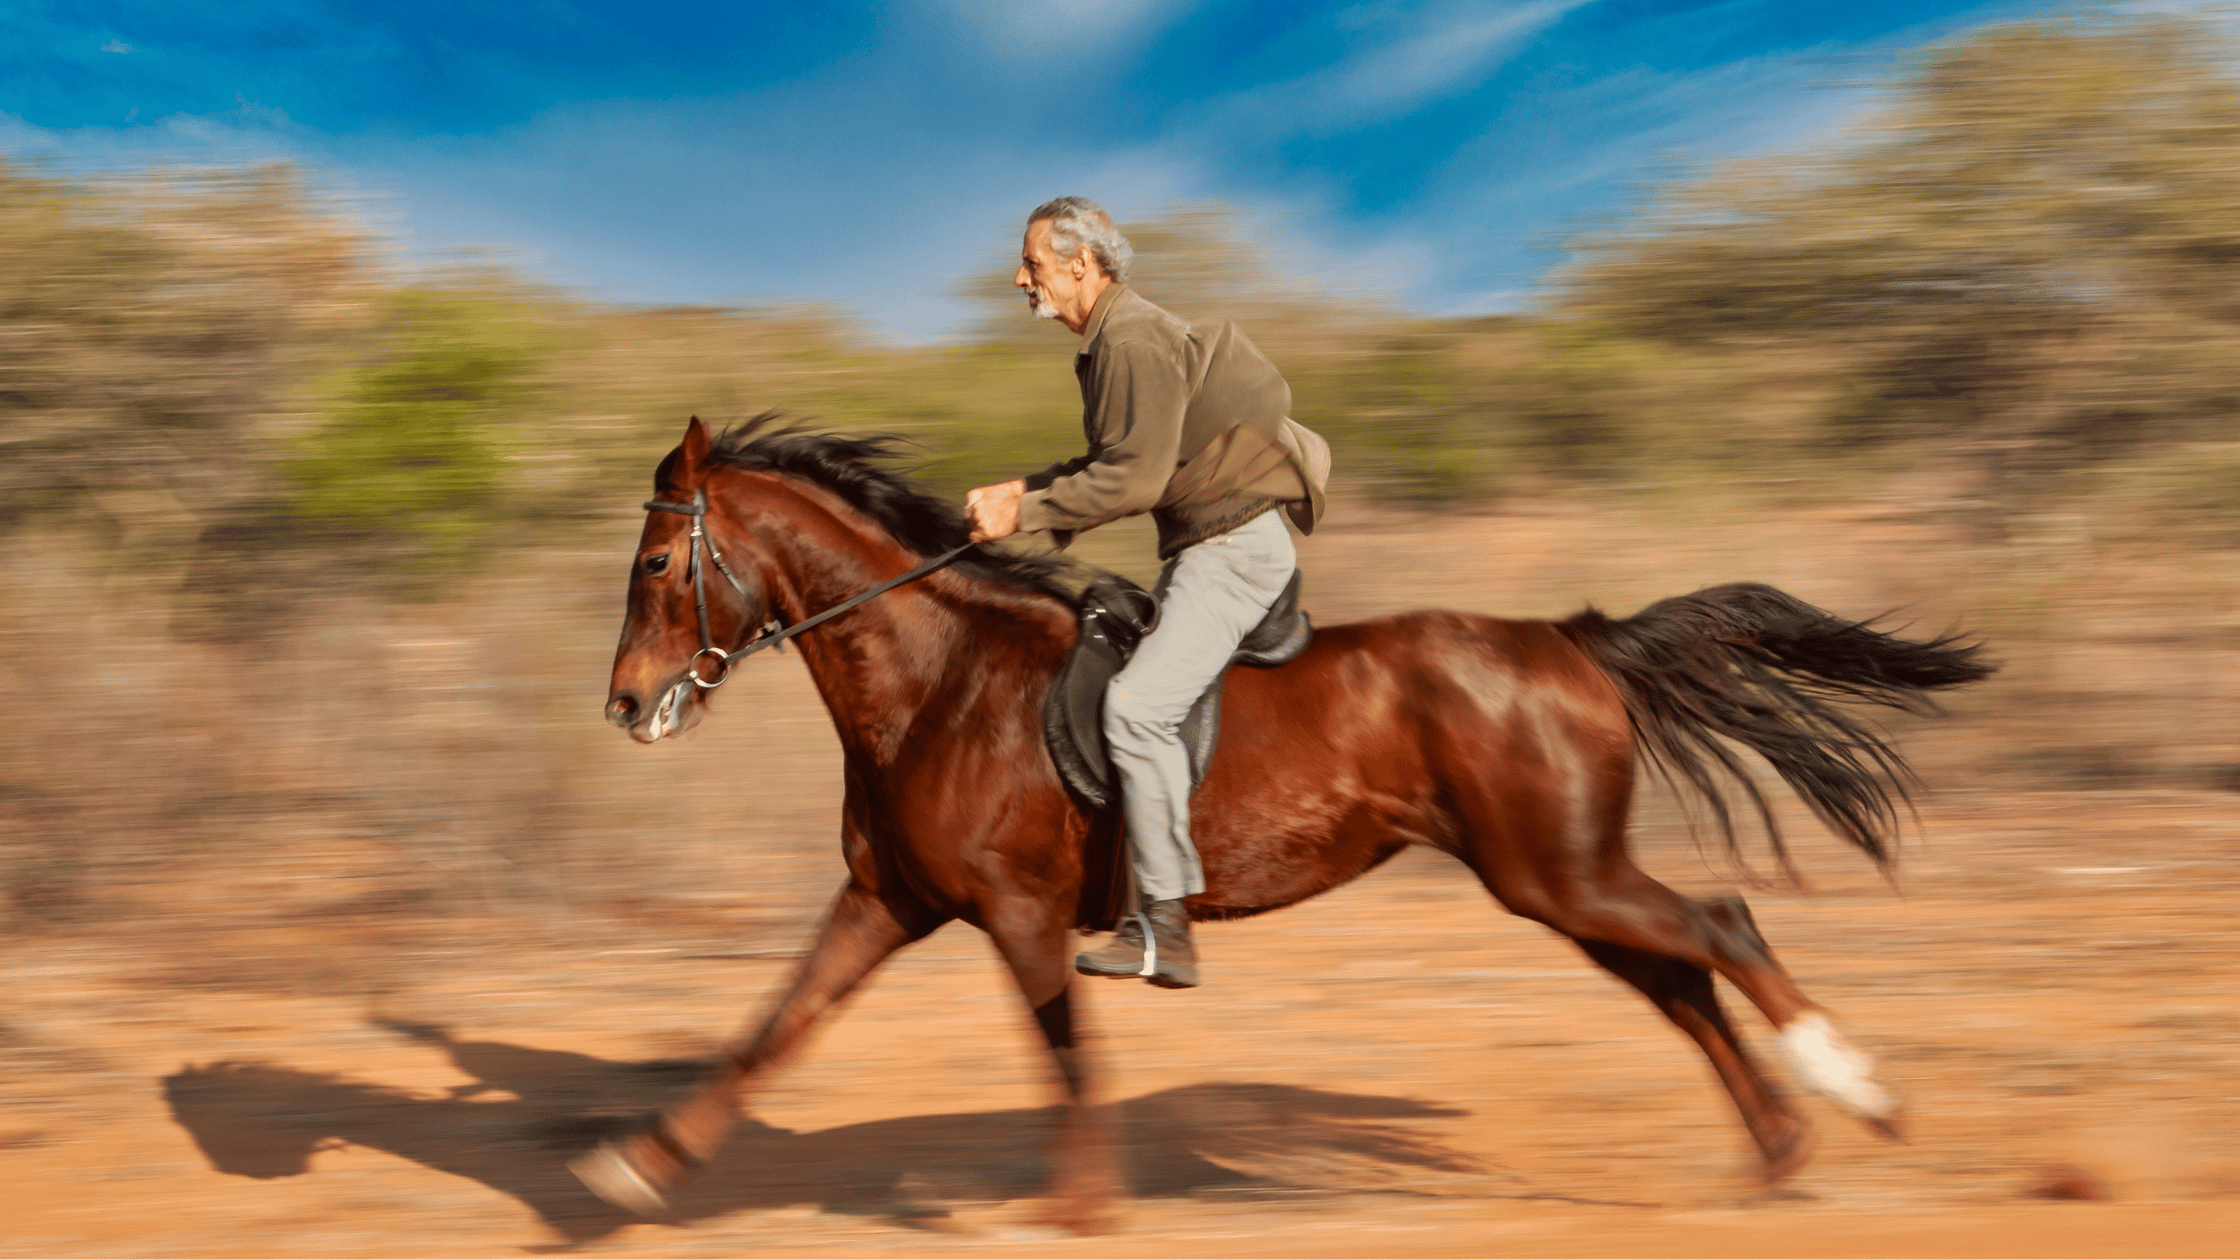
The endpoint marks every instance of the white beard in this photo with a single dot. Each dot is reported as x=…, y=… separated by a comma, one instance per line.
x=1041, y=306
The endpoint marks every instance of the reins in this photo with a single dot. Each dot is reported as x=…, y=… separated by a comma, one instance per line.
x=700, y=541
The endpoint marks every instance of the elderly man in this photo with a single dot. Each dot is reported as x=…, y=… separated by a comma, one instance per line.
x=1191, y=425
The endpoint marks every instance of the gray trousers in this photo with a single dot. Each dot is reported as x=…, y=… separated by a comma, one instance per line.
x=1211, y=595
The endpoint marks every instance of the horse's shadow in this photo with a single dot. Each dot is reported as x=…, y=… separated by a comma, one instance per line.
x=531, y=1110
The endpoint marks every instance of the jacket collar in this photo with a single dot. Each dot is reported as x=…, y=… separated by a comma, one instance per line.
x=1097, y=313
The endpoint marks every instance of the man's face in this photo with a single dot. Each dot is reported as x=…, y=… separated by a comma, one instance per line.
x=1050, y=282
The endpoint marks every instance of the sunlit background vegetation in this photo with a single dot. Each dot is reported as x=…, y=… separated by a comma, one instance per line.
x=298, y=542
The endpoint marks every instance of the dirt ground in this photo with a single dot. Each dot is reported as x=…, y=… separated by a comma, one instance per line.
x=277, y=1053
x=1396, y=1069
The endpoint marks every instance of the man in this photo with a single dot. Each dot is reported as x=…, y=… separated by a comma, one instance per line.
x=1191, y=425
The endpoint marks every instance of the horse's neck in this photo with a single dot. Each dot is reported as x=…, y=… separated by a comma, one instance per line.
x=877, y=665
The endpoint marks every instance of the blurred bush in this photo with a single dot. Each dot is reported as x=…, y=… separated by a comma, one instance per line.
x=406, y=472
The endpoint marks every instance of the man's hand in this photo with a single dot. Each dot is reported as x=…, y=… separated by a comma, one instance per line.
x=993, y=511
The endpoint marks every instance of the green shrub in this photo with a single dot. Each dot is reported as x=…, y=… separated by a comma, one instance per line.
x=408, y=468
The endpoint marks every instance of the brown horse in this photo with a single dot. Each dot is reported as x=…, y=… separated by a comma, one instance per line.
x=1512, y=745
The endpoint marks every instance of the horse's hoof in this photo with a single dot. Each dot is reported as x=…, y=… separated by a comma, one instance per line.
x=608, y=1173
x=1785, y=1154
x=1079, y=1216
x=1826, y=1063
x=1890, y=1128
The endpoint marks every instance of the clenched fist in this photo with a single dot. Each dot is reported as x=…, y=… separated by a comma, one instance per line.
x=993, y=511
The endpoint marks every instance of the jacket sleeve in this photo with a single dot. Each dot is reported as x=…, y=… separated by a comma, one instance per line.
x=1066, y=468
x=1140, y=394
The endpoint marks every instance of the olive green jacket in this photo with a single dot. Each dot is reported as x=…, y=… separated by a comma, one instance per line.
x=1189, y=424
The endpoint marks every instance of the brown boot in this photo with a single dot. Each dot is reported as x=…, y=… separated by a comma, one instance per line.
x=1172, y=963
x=1120, y=957
x=1174, y=957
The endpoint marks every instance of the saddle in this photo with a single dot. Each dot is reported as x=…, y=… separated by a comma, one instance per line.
x=1115, y=615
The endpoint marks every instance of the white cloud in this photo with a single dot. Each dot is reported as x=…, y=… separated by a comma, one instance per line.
x=116, y=46
x=1448, y=48
x=248, y=133
x=1406, y=59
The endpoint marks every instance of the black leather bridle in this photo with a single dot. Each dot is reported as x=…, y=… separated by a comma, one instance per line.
x=774, y=632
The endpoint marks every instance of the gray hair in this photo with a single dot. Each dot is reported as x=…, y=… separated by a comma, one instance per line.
x=1078, y=221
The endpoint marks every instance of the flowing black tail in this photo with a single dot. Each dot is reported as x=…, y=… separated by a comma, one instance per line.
x=1753, y=665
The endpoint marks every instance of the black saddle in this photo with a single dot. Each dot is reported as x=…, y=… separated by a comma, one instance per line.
x=1115, y=615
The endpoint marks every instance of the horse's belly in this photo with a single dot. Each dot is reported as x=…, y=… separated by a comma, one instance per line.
x=1286, y=813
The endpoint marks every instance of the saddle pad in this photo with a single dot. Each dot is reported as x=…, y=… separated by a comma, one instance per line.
x=1115, y=615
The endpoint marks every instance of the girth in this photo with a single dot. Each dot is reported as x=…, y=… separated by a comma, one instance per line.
x=1115, y=616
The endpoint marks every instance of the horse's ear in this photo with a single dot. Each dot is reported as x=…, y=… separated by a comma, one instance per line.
x=695, y=448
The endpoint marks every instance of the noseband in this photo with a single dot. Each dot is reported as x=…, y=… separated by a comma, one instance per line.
x=774, y=633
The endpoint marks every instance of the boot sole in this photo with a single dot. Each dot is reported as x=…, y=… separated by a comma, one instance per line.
x=1087, y=968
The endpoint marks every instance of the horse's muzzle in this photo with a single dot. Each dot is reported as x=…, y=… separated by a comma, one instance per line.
x=623, y=710
x=673, y=711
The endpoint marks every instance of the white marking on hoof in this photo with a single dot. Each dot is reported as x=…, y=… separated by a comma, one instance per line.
x=607, y=1174
x=1827, y=1063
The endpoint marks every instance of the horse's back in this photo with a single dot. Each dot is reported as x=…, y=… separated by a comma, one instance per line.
x=1358, y=747
x=1413, y=665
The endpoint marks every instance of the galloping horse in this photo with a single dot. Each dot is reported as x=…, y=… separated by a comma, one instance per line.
x=1511, y=745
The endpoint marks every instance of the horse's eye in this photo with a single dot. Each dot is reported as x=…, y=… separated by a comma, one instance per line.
x=657, y=564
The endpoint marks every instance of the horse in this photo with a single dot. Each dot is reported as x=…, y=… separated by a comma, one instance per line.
x=1512, y=745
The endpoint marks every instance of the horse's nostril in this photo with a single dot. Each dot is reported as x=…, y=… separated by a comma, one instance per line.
x=623, y=711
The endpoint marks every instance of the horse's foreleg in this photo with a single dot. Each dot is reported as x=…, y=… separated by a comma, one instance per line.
x=859, y=933
x=1033, y=937
x=1683, y=992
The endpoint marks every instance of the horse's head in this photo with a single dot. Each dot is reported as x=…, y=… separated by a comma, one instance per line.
x=257, y=1119
x=689, y=604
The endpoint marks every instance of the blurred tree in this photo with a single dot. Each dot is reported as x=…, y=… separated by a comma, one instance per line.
x=2037, y=246
x=148, y=327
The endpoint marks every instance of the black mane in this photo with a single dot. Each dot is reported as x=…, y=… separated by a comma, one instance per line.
x=858, y=470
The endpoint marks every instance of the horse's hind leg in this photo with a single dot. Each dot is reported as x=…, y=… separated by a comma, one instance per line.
x=1645, y=934
x=1611, y=901
x=1551, y=847
x=1823, y=1060
x=1684, y=993
x=861, y=931
x=1033, y=934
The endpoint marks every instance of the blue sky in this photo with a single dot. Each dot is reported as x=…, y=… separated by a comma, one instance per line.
x=1435, y=152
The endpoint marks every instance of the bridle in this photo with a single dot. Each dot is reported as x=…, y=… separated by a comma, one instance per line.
x=774, y=632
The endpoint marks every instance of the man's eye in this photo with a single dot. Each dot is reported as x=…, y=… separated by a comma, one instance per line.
x=657, y=564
